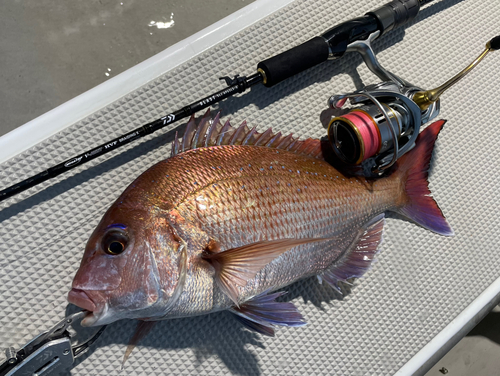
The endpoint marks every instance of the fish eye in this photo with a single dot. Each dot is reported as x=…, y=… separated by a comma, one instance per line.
x=114, y=242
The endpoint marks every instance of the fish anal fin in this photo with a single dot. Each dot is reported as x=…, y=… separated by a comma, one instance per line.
x=203, y=133
x=142, y=330
x=358, y=260
x=235, y=267
x=262, y=313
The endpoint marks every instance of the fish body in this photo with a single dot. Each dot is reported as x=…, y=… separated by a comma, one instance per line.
x=235, y=195
x=234, y=215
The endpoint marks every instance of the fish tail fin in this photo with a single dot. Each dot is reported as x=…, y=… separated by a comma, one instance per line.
x=413, y=170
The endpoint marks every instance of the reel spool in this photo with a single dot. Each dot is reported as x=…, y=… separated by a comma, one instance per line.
x=387, y=121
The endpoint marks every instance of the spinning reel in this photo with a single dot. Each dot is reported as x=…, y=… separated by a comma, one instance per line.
x=387, y=116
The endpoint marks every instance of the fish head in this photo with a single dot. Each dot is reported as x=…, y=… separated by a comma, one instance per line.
x=131, y=267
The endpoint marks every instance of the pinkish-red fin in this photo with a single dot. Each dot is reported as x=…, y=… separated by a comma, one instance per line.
x=264, y=137
x=285, y=142
x=248, y=140
x=188, y=135
x=273, y=140
x=239, y=134
x=413, y=168
x=226, y=135
x=210, y=138
x=235, y=267
x=175, y=145
x=204, y=133
x=360, y=256
x=142, y=330
x=262, y=313
x=201, y=131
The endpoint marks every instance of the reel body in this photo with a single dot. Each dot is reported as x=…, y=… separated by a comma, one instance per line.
x=380, y=129
x=386, y=118
x=384, y=122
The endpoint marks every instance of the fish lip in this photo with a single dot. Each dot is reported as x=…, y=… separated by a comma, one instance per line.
x=83, y=299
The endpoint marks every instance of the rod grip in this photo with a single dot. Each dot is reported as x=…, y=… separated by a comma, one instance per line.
x=293, y=61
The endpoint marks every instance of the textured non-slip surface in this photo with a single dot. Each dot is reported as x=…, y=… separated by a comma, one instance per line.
x=421, y=282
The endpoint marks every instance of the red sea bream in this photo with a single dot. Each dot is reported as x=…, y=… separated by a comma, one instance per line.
x=233, y=217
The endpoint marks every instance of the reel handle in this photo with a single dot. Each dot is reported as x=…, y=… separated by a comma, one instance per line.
x=425, y=98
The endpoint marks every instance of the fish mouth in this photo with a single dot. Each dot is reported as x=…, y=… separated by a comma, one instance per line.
x=82, y=299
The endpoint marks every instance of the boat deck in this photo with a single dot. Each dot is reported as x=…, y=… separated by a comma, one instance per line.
x=424, y=293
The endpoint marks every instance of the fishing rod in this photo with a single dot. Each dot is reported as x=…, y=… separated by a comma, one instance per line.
x=331, y=45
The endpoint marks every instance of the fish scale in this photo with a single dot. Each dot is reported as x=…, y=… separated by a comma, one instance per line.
x=223, y=222
x=330, y=206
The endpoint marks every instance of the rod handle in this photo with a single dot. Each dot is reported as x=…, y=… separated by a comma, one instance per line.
x=293, y=61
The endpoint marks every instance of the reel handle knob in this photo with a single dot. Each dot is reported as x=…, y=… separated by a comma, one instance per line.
x=494, y=44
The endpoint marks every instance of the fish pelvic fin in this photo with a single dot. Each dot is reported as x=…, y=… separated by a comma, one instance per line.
x=360, y=256
x=235, y=267
x=413, y=170
x=262, y=313
x=142, y=330
x=208, y=132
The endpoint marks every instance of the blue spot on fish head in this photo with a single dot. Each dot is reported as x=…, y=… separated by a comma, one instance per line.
x=117, y=225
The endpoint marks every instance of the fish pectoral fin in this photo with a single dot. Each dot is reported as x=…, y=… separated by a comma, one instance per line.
x=263, y=312
x=235, y=267
x=360, y=256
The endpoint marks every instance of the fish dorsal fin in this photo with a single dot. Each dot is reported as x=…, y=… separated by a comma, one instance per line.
x=206, y=132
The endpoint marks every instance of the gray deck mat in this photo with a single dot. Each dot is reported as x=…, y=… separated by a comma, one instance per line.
x=421, y=282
